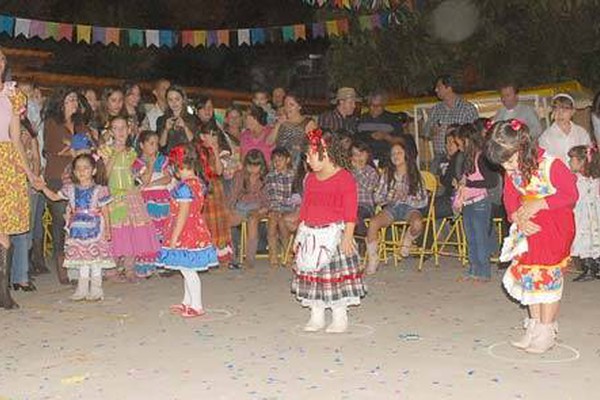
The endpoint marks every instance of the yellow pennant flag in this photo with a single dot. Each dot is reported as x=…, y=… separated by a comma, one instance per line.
x=84, y=33
x=199, y=38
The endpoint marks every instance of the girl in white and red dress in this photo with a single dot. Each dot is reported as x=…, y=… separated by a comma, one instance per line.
x=539, y=195
x=326, y=268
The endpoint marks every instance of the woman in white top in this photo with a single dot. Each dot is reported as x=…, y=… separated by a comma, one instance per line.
x=563, y=134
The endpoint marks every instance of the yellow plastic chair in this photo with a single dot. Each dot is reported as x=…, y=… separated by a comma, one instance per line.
x=47, y=225
x=499, y=225
x=451, y=234
x=283, y=255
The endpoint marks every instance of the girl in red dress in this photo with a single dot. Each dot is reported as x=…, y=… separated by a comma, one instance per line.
x=539, y=195
x=187, y=247
x=326, y=268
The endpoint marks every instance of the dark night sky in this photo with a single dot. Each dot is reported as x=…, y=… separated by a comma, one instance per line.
x=177, y=14
x=214, y=67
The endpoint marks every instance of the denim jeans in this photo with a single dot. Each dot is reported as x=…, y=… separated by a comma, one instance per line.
x=57, y=210
x=476, y=218
x=20, y=258
x=37, y=228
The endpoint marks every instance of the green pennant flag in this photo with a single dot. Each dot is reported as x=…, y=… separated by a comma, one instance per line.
x=288, y=33
x=136, y=37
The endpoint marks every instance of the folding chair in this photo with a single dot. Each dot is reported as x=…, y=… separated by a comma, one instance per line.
x=451, y=233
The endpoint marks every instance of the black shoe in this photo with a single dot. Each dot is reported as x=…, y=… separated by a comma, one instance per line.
x=585, y=268
x=594, y=269
x=29, y=287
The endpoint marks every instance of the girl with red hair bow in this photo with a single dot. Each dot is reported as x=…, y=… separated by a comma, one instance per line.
x=539, y=195
x=188, y=245
x=326, y=267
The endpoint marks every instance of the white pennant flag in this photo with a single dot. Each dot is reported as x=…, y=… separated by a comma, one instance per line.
x=22, y=27
x=152, y=37
x=243, y=36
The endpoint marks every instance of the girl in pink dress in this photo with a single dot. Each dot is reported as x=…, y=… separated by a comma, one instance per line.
x=188, y=246
x=539, y=195
x=133, y=234
x=151, y=171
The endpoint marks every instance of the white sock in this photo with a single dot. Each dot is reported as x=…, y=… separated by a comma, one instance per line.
x=97, y=272
x=84, y=272
x=193, y=288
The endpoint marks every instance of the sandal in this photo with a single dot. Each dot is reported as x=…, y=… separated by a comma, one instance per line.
x=178, y=308
x=192, y=312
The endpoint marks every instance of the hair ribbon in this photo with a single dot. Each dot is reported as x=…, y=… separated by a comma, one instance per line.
x=516, y=124
x=315, y=139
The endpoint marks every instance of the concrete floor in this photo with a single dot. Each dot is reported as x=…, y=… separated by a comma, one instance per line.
x=416, y=336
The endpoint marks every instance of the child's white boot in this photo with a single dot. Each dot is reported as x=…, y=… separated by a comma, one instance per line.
x=372, y=257
x=317, y=319
x=526, y=339
x=96, y=292
x=544, y=336
x=339, y=323
x=83, y=284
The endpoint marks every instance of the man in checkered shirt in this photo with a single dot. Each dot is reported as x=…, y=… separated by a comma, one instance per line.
x=452, y=109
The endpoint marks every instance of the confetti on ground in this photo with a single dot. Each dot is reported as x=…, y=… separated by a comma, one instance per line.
x=74, y=380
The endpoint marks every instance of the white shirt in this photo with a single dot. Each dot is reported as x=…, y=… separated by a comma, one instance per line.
x=558, y=143
x=596, y=125
x=151, y=117
x=523, y=112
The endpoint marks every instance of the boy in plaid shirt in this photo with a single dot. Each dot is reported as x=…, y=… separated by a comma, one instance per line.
x=278, y=185
x=367, y=179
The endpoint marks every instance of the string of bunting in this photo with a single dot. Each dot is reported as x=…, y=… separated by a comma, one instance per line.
x=365, y=4
x=80, y=33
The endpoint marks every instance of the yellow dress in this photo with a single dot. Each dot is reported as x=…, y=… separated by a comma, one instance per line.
x=14, y=203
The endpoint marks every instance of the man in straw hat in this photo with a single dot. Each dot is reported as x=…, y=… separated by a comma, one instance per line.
x=342, y=117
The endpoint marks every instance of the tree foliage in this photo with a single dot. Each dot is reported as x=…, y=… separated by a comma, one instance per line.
x=531, y=42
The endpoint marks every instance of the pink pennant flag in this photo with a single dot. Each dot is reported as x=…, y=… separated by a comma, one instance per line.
x=65, y=31
x=187, y=38
x=113, y=35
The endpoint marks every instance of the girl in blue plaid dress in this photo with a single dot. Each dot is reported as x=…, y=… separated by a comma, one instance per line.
x=326, y=268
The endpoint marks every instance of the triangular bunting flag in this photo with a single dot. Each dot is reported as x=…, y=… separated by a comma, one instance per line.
x=243, y=36
x=211, y=38
x=288, y=33
x=37, y=29
x=343, y=26
x=300, y=32
x=187, y=38
x=113, y=35
x=84, y=33
x=223, y=37
x=98, y=34
x=199, y=38
x=152, y=38
x=166, y=38
x=318, y=30
x=332, y=28
x=52, y=30
x=7, y=24
x=135, y=37
x=257, y=35
x=365, y=23
x=65, y=31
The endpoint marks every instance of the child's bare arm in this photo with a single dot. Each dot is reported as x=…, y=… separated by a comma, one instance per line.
x=182, y=215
